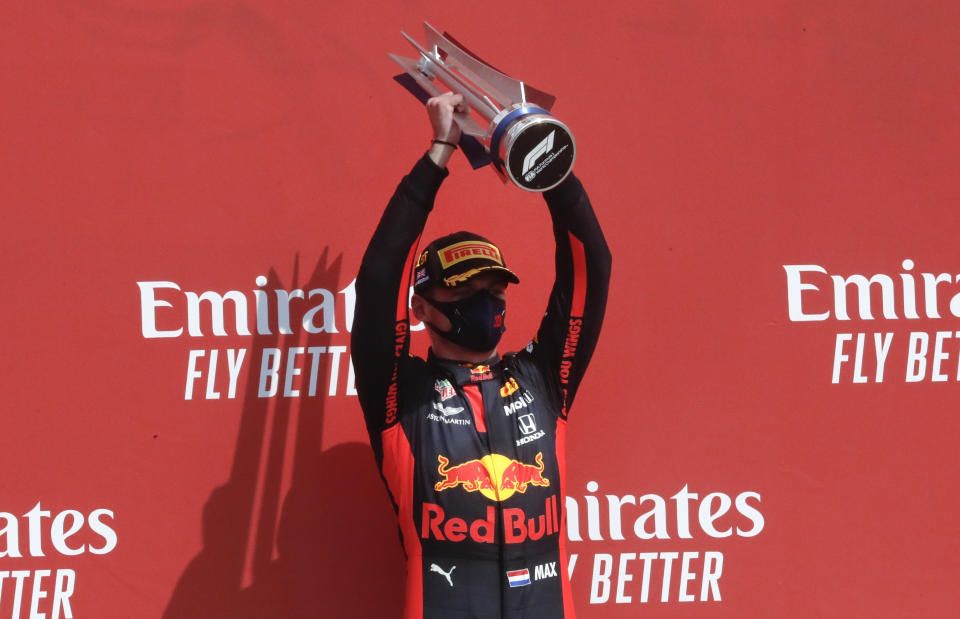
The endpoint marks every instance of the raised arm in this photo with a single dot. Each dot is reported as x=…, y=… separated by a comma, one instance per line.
x=380, y=336
x=571, y=325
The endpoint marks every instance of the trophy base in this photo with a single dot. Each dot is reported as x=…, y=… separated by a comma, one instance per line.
x=533, y=149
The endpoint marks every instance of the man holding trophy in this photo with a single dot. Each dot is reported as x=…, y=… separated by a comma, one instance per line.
x=471, y=443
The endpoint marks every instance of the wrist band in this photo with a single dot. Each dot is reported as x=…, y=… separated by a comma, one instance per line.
x=444, y=142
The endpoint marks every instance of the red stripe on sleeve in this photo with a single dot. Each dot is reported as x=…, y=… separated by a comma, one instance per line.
x=403, y=296
x=579, y=276
x=402, y=334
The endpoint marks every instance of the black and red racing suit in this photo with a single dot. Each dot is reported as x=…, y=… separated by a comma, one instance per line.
x=473, y=455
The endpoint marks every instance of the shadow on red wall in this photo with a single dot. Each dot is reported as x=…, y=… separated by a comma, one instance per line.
x=332, y=548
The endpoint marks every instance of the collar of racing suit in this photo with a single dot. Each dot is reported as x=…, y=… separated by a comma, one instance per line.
x=465, y=372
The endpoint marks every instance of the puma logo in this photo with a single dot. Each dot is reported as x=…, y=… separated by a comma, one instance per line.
x=436, y=568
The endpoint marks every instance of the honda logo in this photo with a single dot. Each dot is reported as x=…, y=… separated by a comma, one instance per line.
x=527, y=423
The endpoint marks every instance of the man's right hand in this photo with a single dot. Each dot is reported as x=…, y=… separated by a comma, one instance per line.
x=441, y=111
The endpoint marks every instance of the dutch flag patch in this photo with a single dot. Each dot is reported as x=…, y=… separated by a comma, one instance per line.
x=519, y=578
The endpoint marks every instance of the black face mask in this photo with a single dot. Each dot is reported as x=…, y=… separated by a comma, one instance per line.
x=478, y=320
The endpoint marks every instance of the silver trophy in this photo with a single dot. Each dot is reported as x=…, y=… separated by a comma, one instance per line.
x=522, y=140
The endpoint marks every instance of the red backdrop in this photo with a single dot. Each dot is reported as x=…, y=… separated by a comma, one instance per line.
x=738, y=155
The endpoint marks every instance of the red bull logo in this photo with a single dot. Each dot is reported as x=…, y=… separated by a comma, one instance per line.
x=518, y=525
x=494, y=476
x=480, y=372
x=509, y=388
x=472, y=475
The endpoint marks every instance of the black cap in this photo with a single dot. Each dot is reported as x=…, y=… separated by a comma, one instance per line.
x=453, y=259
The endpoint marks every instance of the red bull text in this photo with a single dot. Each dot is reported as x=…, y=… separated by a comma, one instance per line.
x=518, y=527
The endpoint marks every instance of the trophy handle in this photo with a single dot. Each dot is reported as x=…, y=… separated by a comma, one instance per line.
x=505, y=90
x=432, y=65
x=415, y=70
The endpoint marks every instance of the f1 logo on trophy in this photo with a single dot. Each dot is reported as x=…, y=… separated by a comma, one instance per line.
x=523, y=141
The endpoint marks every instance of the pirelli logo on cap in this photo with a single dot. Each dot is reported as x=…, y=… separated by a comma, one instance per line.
x=466, y=250
x=422, y=259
